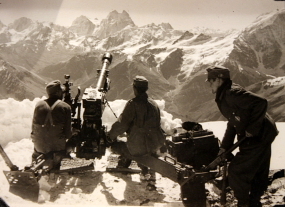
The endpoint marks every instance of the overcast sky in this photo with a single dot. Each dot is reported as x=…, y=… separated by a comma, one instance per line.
x=181, y=14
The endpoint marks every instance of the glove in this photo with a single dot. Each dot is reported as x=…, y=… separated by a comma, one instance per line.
x=224, y=157
x=213, y=165
x=221, y=151
x=247, y=134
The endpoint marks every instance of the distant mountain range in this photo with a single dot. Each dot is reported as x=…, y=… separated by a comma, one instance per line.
x=33, y=53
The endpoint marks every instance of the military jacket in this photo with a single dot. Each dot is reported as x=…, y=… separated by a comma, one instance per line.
x=245, y=112
x=141, y=120
x=51, y=125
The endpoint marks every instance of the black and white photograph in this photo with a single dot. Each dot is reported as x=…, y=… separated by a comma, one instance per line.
x=162, y=103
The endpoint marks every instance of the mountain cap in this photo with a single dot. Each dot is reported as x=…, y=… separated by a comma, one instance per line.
x=53, y=87
x=218, y=72
x=140, y=81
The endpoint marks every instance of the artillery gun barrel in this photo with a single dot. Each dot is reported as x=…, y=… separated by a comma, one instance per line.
x=106, y=59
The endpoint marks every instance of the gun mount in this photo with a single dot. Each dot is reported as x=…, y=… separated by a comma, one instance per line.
x=24, y=183
x=89, y=141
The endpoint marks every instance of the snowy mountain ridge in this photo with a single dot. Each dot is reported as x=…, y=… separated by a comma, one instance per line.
x=174, y=60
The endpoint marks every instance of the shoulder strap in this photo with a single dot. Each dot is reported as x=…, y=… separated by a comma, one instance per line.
x=49, y=117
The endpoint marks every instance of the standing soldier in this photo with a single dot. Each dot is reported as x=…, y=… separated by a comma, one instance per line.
x=247, y=117
x=51, y=125
x=140, y=119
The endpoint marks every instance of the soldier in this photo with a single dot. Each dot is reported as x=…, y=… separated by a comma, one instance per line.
x=247, y=117
x=51, y=125
x=140, y=119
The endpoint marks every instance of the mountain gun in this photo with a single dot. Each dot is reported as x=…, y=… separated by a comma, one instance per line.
x=89, y=137
x=187, y=151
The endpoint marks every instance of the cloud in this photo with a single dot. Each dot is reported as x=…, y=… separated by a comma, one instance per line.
x=16, y=121
x=16, y=118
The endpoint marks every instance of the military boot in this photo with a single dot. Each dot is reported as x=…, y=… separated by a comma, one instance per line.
x=255, y=204
x=123, y=162
x=242, y=204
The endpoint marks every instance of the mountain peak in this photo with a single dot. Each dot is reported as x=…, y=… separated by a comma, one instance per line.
x=114, y=22
x=267, y=19
x=124, y=16
x=21, y=24
x=82, y=26
x=185, y=36
x=113, y=15
x=82, y=18
x=166, y=26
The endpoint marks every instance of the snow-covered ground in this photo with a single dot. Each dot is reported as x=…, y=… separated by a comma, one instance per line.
x=97, y=188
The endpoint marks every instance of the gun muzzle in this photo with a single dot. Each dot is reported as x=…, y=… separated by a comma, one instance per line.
x=107, y=57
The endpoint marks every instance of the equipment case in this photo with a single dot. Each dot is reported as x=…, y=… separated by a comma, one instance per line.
x=194, y=148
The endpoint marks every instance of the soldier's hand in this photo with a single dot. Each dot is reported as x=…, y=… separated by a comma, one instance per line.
x=75, y=132
x=247, y=134
x=224, y=157
x=108, y=139
x=221, y=152
x=213, y=165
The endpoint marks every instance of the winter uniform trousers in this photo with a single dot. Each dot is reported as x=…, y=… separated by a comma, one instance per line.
x=247, y=116
x=248, y=172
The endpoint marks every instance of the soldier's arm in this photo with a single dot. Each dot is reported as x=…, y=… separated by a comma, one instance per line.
x=229, y=137
x=257, y=106
x=124, y=121
x=67, y=127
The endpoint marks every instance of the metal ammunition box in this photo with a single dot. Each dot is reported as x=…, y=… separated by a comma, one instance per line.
x=197, y=150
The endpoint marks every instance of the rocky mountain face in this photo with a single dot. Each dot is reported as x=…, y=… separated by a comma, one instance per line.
x=174, y=61
x=19, y=83
x=261, y=45
x=273, y=89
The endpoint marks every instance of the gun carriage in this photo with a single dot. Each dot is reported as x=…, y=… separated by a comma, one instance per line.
x=90, y=140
